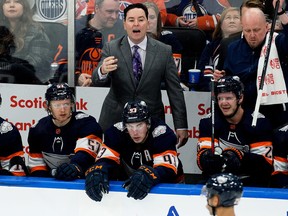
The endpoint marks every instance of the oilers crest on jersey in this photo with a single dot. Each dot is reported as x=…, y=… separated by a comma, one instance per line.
x=89, y=49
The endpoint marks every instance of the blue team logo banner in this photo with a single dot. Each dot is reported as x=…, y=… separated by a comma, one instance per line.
x=51, y=10
x=123, y=5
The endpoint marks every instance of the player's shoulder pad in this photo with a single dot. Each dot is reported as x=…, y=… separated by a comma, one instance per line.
x=34, y=125
x=260, y=115
x=166, y=32
x=120, y=126
x=5, y=127
x=207, y=116
x=284, y=128
x=161, y=129
x=81, y=115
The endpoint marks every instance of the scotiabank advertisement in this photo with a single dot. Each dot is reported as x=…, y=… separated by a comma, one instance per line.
x=24, y=105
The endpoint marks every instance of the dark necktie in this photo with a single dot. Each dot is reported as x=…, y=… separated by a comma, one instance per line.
x=137, y=64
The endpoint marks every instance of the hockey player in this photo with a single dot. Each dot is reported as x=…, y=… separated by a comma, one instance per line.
x=141, y=149
x=223, y=191
x=280, y=154
x=64, y=143
x=11, y=150
x=239, y=147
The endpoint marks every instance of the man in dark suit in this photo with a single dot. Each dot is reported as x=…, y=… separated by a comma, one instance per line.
x=157, y=64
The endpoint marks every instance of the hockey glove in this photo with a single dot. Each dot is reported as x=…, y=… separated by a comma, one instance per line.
x=5, y=172
x=141, y=182
x=232, y=158
x=97, y=182
x=208, y=162
x=68, y=172
x=17, y=163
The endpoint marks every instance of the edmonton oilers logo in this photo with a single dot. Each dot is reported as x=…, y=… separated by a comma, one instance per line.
x=189, y=11
x=51, y=9
x=123, y=5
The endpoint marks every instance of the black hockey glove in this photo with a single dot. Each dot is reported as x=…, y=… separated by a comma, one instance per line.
x=68, y=172
x=208, y=162
x=141, y=182
x=18, y=163
x=97, y=182
x=5, y=172
x=232, y=160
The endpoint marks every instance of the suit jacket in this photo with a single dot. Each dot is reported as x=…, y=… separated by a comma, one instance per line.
x=159, y=65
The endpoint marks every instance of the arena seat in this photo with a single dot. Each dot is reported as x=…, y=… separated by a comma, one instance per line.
x=193, y=42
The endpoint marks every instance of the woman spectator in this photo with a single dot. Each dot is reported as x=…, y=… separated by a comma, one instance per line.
x=156, y=31
x=32, y=43
x=228, y=24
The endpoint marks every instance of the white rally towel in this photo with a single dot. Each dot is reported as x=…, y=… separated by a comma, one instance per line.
x=274, y=88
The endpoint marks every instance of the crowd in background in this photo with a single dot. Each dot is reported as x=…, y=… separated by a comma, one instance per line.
x=237, y=37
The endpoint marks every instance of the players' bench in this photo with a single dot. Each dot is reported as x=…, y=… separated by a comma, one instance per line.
x=193, y=42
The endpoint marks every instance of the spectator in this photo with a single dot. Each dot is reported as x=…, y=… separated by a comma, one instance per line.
x=155, y=64
x=32, y=44
x=64, y=143
x=198, y=14
x=12, y=69
x=229, y=23
x=139, y=148
x=155, y=28
x=244, y=59
x=11, y=150
x=223, y=191
x=280, y=154
x=239, y=148
x=226, y=41
x=103, y=27
x=167, y=37
x=160, y=4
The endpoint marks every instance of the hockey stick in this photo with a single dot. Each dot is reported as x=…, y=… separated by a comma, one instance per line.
x=208, y=72
x=212, y=116
x=260, y=91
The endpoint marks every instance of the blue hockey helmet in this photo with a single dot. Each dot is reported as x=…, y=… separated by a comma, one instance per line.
x=227, y=186
x=135, y=111
x=229, y=84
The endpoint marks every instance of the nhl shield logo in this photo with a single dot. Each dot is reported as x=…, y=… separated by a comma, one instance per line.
x=51, y=9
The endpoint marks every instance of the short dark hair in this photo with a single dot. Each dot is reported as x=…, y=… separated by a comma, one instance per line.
x=252, y=4
x=137, y=5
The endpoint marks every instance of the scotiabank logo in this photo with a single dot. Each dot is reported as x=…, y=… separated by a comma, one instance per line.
x=203, y=110
x=22, y=103
x=39, y=103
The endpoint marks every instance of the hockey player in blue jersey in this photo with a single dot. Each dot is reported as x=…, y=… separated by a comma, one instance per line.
x=280, y=155
x=11, y=150
x=64, y=143
x=239, y=148
x=141, y=149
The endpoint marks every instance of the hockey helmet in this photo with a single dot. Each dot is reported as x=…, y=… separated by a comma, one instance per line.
x=135, y=111
x=227, y=186
x=229, y=84
x=59, y=91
